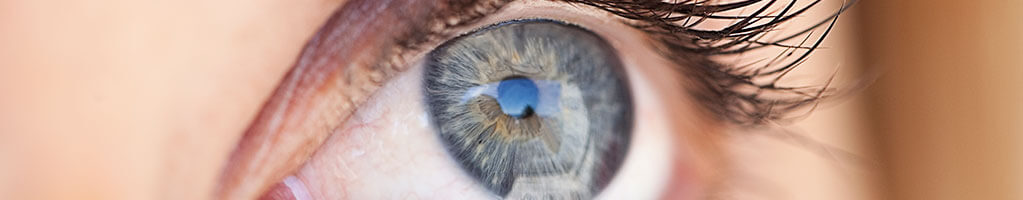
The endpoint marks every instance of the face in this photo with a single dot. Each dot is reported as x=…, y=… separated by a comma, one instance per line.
x=361, y=100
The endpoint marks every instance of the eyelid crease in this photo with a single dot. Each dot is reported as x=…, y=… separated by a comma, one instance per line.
x=351, y=56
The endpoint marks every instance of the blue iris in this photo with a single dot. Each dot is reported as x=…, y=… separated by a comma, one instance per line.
x=518, y=97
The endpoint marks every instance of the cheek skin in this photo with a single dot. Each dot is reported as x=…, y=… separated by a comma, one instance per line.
x=387, y=150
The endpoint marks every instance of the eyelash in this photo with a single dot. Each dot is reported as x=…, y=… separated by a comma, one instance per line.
x=731, y=92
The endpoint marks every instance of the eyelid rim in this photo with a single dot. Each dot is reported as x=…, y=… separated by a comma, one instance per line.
x=304, y=110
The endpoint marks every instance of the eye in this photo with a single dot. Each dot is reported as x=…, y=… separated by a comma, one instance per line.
x=525, y=100
x=439, y=129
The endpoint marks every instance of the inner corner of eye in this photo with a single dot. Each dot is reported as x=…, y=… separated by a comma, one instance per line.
x=531, y=108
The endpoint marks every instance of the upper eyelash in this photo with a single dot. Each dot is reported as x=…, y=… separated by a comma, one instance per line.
x=731, y=92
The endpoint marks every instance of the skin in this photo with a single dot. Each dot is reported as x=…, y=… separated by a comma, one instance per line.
x=149, y=100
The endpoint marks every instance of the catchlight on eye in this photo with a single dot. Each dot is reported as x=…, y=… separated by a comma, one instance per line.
x=532, y=108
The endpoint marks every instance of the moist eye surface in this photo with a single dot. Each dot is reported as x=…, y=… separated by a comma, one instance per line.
x=531, y=108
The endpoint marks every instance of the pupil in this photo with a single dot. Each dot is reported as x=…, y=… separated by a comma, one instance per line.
x=517, y=97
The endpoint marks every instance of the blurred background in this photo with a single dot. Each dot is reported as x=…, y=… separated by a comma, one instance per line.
x=947, y=110
x=942, y=118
